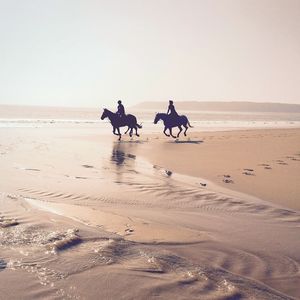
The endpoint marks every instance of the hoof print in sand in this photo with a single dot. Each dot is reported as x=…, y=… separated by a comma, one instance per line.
x=281, y=162
x=266, y=166
x=248, y=172
x=88, y=166
x=227, y=179
x=293, y=158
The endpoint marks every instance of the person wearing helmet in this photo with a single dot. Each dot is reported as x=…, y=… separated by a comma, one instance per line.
x=121, y=110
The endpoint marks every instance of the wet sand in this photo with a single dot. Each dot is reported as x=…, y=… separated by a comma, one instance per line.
x=262, y=163
x=84, y=216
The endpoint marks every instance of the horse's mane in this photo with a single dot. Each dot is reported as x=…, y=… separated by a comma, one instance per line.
x=109, y=111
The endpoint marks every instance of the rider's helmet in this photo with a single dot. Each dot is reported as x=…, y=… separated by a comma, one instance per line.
x=170, y=101
x=119, y=102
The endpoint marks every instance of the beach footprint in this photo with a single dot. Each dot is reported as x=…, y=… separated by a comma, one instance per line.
x=281, y=162
x=266, y=166
x=88, y=166
x=292, y=158
x=227, y=179
x=248, y=172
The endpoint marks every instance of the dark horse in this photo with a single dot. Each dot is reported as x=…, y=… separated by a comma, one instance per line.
x=117, y=122
x=173, y=121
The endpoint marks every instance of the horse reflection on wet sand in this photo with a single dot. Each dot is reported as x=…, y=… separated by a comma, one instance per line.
x=117, y=122
x=173, y=121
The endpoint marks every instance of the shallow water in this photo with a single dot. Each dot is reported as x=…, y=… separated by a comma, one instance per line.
x=208, y=121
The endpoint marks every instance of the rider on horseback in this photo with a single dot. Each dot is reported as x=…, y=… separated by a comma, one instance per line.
x=172, y=113
x=171, y=109
x=121, y=109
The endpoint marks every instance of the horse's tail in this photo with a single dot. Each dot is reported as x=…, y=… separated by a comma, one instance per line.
x=139, y=125
x=188, y=122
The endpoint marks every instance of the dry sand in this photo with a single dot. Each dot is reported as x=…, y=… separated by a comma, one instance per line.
x=86, y=217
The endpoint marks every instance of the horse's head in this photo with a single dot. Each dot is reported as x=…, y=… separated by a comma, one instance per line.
x=157, y=118
x=104, y=114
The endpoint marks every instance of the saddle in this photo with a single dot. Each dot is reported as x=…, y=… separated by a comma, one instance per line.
x=174, y=119
x=123, y=119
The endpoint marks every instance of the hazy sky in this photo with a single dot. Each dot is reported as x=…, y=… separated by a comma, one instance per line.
x=91, y=53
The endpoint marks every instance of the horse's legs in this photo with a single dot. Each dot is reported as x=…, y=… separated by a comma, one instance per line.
x=114, y=131
x=173, y=136
x=119, y=133
x=186, y=128
x=180, y=129
x=165, y=131
x=136, y=131
x=126, y=130
x=130, y=132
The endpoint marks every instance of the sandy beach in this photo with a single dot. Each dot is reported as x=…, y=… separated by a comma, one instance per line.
x=211, y=216
x=89, y=212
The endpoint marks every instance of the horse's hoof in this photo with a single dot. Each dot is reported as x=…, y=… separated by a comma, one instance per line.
x=137, y=135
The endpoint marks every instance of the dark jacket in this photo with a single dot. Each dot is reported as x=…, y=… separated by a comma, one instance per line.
x=172, y=110
x=121, y=110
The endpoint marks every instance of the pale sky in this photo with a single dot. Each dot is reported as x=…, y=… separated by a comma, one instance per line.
x=92, y=53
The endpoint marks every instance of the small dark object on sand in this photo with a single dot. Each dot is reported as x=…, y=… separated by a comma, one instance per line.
x=202, y=184
x=227, y=180
x=268, y=168
x=169, y=173
x=248, y=173
x=227, y=176
x=87, y=166
x=2, y=264
x=4, y=223
x=250, y=170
